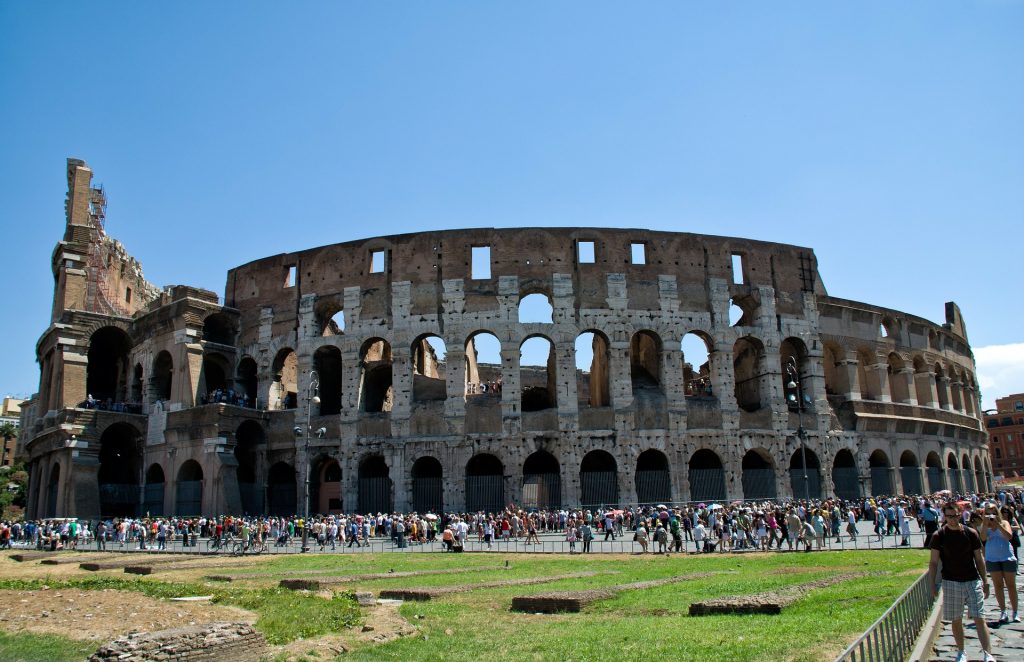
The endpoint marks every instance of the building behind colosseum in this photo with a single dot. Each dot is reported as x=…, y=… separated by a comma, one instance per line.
x=359, y=367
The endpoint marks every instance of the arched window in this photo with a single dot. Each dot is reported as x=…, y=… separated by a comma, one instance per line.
x=535, y=308
x=537, y=374
x=284, y=390
x=429, y=369
x=377, y=393
x=592, y=357
x=483, y=366
x=107, y=369
x=645, y=360
x=163, y=374
x=749, y=372
x=696, y=348
x=327, y=362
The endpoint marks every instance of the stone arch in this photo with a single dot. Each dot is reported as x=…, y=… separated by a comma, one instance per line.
x=284, y=391
x=910, y=473
x=742, y=310
x=653, y=478
x=923, y=382
x=538, y=377
x=793, y=352
x=956, y=389
x=483, y=363
x=281, y=490
x=163, y=376
x=936, y=477
x=599, y=480
x=645, y=360
x=953, y=474
x=219, y=328
x=120, y=459
x=845, y=477
x=153, y=498
x=215, y=376
x=137, y=394
x=805, y=474
x=888, y=328
x=542, y=481
x=427, y=485
x=707, y=476
x=485, y=484
x=52, y=492
x=333, y=323
x=327, y=498
x=759, y=481
x=941, y=388
x=376, y=392
x=376, y=493
x=250, y=443
x=881, y=474
x=870, y=386
x=189, y=490
x=327, y=363
x=107, y=368
x=536, y=308
x=247, y=380
x=899, y=388
x=429, y=369
x=593, y=357
x=966, y=476
x=697, y=347
x=979, y=475
x=749, y=372
x=837, y=381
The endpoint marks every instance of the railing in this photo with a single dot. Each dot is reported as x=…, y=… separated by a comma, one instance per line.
x=892, y=636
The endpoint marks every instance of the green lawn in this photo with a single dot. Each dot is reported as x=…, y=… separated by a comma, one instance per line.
x=638, y=625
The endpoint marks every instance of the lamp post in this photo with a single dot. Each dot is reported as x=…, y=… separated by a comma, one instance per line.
x=796, y=396
x=312, y=398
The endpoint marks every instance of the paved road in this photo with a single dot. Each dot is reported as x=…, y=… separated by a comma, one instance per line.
x=1007, y=638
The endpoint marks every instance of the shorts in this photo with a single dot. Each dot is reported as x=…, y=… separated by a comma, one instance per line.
x=1002, y=566
x=956, y=594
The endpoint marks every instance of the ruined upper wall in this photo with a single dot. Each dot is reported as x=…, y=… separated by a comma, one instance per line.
x=533, y=255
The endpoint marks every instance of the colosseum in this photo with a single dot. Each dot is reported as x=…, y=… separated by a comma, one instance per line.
x=469, y=369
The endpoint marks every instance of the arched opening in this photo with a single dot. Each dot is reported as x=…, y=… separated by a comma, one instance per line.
x=966, y=476
x=899, y=388
x=189, y=490
x=652, y=480
x=542, y=482
x=844, y=476
x=956, y=390
x=793, y=352
x=599, y=480
x=284, y=391
x=249, y=442
x=749, y=372
x=881, y=476
x=375, y=486
x=327, y=363
x=247, y=381
x=485, y=484
x=837, y=381
x=163, y=375
x=219, y=328
x=933, y=467
x=483, y=366
x=758, y=475
x=376, y=395
x=910, y=473
x=427, y=485
x=805, y=479
x=281, y=490
x=153, y=500
x=979, y=476
x=887, y=328
x=953, y=473
x=707, y=477
x=870, y=387
x=592, y=359
x=969, y=394
x=136, y=397
x=120, y=470
x=535, y=309
x=645, y=361
x=52, y=489
x=327, y=499
x=697, y=348
x=537, y=374
x=429, y=383
x=107, y=369
x=334, y=325
x=215, y=378
x=740, y=312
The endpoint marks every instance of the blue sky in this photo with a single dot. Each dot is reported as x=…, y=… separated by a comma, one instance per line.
x=887, y=136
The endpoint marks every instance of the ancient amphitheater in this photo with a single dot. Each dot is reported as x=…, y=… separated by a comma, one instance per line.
x=468, y=369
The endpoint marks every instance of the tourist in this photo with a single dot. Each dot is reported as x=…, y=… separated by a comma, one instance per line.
x=587, y=535
x=641, y=536
x=1000, y=560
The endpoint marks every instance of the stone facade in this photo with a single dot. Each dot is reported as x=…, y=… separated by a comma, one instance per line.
x=358, y=367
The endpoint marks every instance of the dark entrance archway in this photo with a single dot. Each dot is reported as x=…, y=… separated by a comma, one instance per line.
x=910, y=473
x=542, y=481
x=485, y=484
x=153, y=501
x=758, y=475
x=189, y=495
x=326, y=496
x=281, y=485
x=247, y=380
x=427, y=485
x=812, y=483
x=653, y=483
x=374, y=486
x=845, y=479
x=52, y=489
x=249, y=438
x=936, y=479
x=107, y=371
x=707, y=477
x=881, y=478
x=599, y=480
x=120, y=470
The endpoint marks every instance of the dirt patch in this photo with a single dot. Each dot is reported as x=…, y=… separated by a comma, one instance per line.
x=382, y=623
x=770, y=602
x=104, y=615
x=430, y=593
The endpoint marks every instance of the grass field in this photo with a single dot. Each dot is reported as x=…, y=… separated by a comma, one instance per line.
x=634, y=625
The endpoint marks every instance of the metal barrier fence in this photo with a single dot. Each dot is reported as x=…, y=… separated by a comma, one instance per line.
x=892, y=637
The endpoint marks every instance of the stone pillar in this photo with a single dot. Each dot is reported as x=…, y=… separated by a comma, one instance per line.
x=879, y=373
x=565, y=379
x=906, y=377
x=455, y=382
x=942, y=390
x=956, y=398
x=854, y=387
x=620, y=375
x=924, y=385
x=672, y=378
x=512, y=387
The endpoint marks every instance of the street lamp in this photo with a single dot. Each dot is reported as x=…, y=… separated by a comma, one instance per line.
x=312, y=398
x=796, y=397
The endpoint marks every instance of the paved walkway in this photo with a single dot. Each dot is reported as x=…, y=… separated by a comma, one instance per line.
x=1007, y=638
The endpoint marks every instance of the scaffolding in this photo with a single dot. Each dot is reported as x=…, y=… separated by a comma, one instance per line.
x=99, y=297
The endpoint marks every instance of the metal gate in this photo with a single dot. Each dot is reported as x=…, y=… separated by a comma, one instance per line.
x=846, y=483
x=969, y=480
x=375, y=495
x=599, y=488
x=118, y=499
x=936, y=480
x=954, y=480
x=759, y=484
x=707, y=484
x=653, y=486
x=542, y=491
x=190, y=498
x=51, y=499
x=486, y=493
x=813, y=483
x=154, y=499
x=881, y=481
x=428, y=494
x=911, y=479
x=282, y=499
x=252, y=498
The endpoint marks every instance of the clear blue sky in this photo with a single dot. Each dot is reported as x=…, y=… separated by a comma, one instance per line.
x=888, y=136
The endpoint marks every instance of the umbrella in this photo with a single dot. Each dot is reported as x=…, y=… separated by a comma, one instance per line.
x=430, y=516
x=737, y=502
x=701, y=505
x=943, y=492
x=662, y=506
x=963, y=504
x=715, y=506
